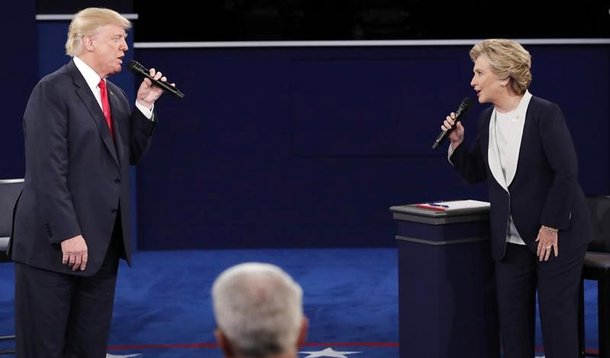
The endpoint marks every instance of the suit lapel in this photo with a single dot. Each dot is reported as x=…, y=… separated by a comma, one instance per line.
x=117, y=125
x=493, y=153
x=95, y=112
x=489, y=150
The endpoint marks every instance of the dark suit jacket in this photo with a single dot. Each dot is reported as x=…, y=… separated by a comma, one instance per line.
x=545, y=189
x=77, y=177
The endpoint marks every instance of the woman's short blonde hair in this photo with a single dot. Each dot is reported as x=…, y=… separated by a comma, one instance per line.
x=508, y=59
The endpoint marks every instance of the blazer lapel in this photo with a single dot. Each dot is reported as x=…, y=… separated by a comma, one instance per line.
x=116, y=124
x=96, y=113
x=493, y=154
x=488, y=148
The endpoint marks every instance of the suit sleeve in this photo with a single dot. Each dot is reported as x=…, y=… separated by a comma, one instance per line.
x=140, y=135
x=561, y=156
x=469, y=162
x=46, y=130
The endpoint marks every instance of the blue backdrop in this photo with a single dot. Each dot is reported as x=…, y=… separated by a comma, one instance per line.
x=19, y=73
x=304, y=146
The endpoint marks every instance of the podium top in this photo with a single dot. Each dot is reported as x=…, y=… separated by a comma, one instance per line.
x=440, y=212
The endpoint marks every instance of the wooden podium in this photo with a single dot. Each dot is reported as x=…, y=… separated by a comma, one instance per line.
x=446, y=292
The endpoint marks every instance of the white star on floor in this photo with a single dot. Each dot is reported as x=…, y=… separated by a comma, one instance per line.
x=328, y=352
x=108, y=355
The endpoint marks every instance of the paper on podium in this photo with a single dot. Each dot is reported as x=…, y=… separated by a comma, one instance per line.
x=444, y=208
x=455, y=205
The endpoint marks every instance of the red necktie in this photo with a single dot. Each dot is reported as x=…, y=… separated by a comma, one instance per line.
x=105, y=104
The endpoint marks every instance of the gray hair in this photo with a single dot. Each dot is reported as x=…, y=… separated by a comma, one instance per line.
x=259, y=308
x=86, y=22
x=508, y=59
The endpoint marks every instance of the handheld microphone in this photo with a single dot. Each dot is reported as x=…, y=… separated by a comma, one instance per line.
x=137, y=68
x=463, y=108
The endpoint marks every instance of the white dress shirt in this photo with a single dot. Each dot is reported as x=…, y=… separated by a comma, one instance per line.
x=93, y=79
x=505, y=134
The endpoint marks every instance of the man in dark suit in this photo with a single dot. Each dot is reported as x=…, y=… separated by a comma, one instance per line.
x=71, y=223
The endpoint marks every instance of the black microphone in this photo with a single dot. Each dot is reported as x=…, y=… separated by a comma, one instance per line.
x=463, y=108
x=137, y=68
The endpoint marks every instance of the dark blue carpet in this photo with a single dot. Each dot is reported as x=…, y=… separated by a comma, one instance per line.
x=163, y=308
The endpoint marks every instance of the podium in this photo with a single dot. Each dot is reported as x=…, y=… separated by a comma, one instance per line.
x=446, y=292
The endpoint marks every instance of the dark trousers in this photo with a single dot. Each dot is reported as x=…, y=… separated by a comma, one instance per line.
x=62, y=315
x=518, y=277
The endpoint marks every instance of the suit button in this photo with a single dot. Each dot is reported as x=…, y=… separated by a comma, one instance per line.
x=114, y=211
x=117, y=180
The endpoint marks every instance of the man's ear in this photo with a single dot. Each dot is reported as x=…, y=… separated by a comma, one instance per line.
x=223, y=343
x=303, y=331
x=88, y=43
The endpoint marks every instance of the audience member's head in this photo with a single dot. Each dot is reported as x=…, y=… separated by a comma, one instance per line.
x=259, y=312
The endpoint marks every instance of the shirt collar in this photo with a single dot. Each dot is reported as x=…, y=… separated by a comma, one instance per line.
x=91, y=77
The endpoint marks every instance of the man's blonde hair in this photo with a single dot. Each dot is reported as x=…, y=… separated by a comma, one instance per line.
x=86, y=22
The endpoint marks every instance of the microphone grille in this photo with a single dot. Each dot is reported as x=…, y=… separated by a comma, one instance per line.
x=465, y=103
x=464, y=106
x=134, y=65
